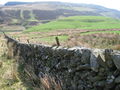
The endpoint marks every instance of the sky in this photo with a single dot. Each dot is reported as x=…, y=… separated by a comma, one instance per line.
x=114, y=4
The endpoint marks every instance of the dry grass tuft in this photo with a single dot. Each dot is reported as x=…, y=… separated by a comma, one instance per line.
x=116, y=47
x=49, y=83
x=101, y=40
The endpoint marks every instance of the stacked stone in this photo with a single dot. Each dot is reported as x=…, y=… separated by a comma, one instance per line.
x=77, y=68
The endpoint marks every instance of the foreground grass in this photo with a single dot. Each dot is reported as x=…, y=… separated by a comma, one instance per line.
x=78, y=22
x=9, y=79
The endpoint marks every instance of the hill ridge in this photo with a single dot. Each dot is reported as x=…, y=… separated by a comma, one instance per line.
x=43, y=12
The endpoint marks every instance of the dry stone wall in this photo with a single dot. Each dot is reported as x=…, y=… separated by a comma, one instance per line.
x=75, y=68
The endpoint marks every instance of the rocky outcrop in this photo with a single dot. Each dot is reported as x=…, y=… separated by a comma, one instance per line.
x=75, y=68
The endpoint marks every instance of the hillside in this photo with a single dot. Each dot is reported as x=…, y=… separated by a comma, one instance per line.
x=78, y=22
x=27, y=14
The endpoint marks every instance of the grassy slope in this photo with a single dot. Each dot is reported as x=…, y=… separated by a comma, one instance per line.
x=9, y=79
x=78, y=22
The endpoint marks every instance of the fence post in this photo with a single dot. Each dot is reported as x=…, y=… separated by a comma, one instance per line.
x=57, y=41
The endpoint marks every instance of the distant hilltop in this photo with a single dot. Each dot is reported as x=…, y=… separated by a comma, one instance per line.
x=33, y=13
x=16, y=3
x=21, y=3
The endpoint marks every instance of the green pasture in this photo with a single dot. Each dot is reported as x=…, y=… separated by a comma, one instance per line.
x=78, y=22
x=52, y=38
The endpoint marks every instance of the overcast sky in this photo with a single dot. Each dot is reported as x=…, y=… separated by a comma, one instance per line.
x=115, y=4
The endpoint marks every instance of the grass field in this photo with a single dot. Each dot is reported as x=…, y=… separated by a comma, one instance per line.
x=52, y=38
x=70, y=28
x=9, y=79
x=78, y=22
